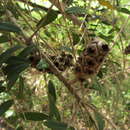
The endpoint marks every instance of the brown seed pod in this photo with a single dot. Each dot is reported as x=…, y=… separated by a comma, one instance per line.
x=90, y=62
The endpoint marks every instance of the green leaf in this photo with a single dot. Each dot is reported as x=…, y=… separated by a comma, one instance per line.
x=66, y=48
x=29, y=49
x=20, y=128
x=4, y=38
x=52, y=91
x=54, y=113
x=100, y=121
x=5, y=106
x=9, y=27
x=5, y=55
x=76, y=38
x=13, y=71
x=106, y=38
x=57, y=125
x=49, y=18
x=20, y=94
x=76, y=10
x=2, y=88
x=128, y=106
x=42, y=65
x=123, y=10
x=34, y=116
x=15, y=60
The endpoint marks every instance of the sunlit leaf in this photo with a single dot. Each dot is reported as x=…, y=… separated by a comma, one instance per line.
x=34, y=116
x=106, y=3
x=9, y=27
x=76, y=10
x=5, y=106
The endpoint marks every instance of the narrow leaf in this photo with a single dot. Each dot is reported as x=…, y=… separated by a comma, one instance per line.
x=5, y=106
x=76, y=10
x=124, y=10
x=9, y=27
x=13, y=71
x=27, y=50
x=57, y=125
x=51, y=90
x=54, y=112
x=5, y=55
x=100, y=121
x=49, y=18
x=21, y=88
x=4, y=38
x=34, y=116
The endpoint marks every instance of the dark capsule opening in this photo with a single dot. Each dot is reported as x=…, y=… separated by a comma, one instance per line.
x=61, y=59
x=90, y=63
x=90, y=50
x=81, y=79
x=105, y=47
x=90, y=72
x=100, y=59
x=31, y=58
x=56, y=64
x=77, y=69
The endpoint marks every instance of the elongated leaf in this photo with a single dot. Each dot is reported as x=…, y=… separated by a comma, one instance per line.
x=51, y=91
x=13, y=71
x=2, y=88
x=9, y=27
x=21, y=88
x=4, y=38
x=124, y=10
x=20, y=128
x=27, y=51
x=100, y=121
x=54, y=112
x=57, y=125
x=5, y=106
x=49, y=18
x=76, y=10
x=5, y=55
x=15, y=60
x=34, y=116
x=76, y=38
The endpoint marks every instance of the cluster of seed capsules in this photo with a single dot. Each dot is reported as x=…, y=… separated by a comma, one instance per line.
x=61, y=61
x=89, y=62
